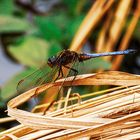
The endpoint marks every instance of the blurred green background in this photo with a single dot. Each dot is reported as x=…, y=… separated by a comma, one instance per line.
x=28, y=38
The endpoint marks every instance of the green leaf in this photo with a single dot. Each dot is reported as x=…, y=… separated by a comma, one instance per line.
x=7, y=6
x=71, y=6
x=55, y=47
x=93, y=64
x=72, y=27
x=10, y=24
x=99, y=63
x=32, y=51
x=9, y=89
x=49, y=29
x=59, y=18
x=137, y=31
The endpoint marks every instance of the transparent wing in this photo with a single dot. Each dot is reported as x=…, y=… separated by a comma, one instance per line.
x=89, y=66
x=45, y=74
x=40, y=76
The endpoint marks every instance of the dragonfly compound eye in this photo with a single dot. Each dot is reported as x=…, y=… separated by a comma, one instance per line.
x=51, y=61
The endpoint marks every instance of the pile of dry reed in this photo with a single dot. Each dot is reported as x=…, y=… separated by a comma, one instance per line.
x=112, y=115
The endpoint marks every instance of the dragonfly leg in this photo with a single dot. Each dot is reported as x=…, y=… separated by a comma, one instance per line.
x=74, y=70
x=60, y=74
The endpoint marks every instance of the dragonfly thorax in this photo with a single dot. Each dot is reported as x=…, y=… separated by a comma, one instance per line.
x=64, y=58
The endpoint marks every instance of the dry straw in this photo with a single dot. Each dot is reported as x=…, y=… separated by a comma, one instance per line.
x=112, y=115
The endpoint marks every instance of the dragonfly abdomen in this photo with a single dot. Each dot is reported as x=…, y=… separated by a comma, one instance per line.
x=83, y=57
x=86, y=56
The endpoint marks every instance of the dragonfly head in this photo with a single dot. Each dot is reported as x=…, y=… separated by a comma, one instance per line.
x=51, y=61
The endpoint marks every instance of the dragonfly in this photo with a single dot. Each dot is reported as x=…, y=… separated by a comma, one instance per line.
x=66, y=59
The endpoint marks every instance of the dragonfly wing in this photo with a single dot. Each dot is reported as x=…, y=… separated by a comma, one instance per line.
x=91, y=65
x=40, y=76
x=79, y=68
